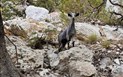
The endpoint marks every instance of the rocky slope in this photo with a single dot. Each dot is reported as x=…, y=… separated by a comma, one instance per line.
x=97, y=52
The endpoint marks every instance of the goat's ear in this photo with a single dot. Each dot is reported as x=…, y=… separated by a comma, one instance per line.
x=69, y=14
x=77, y=14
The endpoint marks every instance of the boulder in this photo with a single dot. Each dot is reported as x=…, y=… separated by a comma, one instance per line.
x=87, y=29
x=111, y=34
x=81, y=69
x=76, y=61
x=27, y=57
x=81, y=53
x=36, y=13
x=54, y=17
x=30, y=28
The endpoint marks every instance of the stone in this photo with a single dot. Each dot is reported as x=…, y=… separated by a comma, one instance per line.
x=77, y=61
x=110, y=34
x=36, y=13
x=28, y=58
x=87, y=29
x=54, y=59
x=117, y=71
x=81, y=53
x=117, y=61
x=54, y=17
x=80, y=69
x=105, y=62
x=109, y=7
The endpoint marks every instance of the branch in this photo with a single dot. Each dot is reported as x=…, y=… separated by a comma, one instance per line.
x=97, y=8
x=14, y=46
x=118, y=19
x=116, y=4
x=117, y=14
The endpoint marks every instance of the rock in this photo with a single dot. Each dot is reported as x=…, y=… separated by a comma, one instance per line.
x=81, y=69
x=117, y=71
x=80, y=53
x=117, y=61
x=105, y=62
x=54, y=17
x=54, y=59
x=28, y=58
x=110, y=34
x=76, y=61
x=39, y=57
x=109, y=7
x=36, y=13
x=47, y=73
x=18, y=26
x=31, y=28
x=87, y=29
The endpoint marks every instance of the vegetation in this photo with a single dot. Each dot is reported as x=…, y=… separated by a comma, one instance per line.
x=89, y=9
x=92, y=39
x=106, y=44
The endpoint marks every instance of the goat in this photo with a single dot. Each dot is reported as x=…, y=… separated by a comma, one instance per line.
x=66, y=35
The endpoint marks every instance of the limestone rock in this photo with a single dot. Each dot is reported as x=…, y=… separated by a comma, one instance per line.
x=81, y=69
x=36, y=13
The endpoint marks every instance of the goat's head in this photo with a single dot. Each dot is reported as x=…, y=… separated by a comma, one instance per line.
x=73, y=15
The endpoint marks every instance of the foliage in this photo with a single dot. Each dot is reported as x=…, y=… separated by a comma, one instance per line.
x=70, y=6
x=106, y=43
x=92, y=38
x=48, y=4
x=85, y=7
x=50, y=34
x=36, y=42
x=9, y=9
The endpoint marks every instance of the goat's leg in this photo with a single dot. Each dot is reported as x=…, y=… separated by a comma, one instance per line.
x=73, y=43
x=68, y=45
x=62, y=45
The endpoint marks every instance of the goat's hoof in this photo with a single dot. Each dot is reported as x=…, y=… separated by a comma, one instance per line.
x=73, y=43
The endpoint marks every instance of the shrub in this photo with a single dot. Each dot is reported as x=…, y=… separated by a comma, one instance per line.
x=105, y=44
x=92, y=39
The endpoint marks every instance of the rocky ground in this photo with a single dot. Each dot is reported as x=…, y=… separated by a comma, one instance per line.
x=97, y=52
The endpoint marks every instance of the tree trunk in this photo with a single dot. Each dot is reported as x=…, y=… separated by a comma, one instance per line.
x=7, y=68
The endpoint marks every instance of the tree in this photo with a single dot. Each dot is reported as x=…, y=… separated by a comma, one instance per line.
x=7, y=68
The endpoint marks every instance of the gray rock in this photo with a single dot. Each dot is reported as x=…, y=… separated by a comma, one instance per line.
x=80, y=53
x=110, y=34
x=28, y=58
x=87, y=29
x=77, y=62
x=54, y=59
x=80, y=69
x=117, y=71
x=105, y=62
x=54, y=17
x=111, y=8
x=36, y=13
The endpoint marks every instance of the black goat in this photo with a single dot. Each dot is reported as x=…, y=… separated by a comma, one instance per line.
x=66, y=35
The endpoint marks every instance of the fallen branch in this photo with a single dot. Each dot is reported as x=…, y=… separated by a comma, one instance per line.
x=15, y=48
